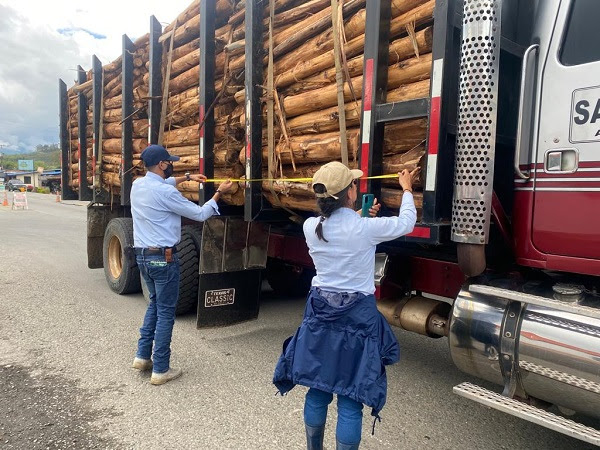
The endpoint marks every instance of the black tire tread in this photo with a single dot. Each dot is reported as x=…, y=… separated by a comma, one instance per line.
x=188, y=253
x=129, y=281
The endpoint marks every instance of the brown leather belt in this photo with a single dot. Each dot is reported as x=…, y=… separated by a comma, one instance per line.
x=155, y=250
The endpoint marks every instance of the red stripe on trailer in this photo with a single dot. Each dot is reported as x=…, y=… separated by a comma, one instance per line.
x=434, y=125
x=367, y=106
x=364, y=165
x=420, y=232
x=368, y=94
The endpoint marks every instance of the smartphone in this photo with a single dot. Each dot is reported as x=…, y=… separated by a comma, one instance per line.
x=367, y=203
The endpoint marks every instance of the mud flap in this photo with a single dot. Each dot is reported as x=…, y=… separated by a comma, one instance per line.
x=233, y=254
x=229, y=297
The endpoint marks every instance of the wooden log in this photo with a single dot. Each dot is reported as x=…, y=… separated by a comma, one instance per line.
x=400, y=50
x=189, y=189
x=327, y=119
x=223, y=8
x=420, y=89
x=392, y=198
x=113, y=129
x=115, y=145
x=409, y=71
x=238, y=16
x=186, y=80
x=299, y=33
x=192, y=59
x=177, y=100
x=312, y=148
x=322, y=43
x=142, y=41
x=109, y=86
x=189, y=135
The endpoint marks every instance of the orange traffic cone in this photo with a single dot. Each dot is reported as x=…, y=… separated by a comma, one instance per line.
x=57, y=197
x=5, y=201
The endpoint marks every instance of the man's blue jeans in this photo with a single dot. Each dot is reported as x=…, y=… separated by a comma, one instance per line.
x=349, y=423
x=162, y=280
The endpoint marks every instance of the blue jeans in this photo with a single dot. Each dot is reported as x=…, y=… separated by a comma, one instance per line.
x=349, y=423
x=162, y=280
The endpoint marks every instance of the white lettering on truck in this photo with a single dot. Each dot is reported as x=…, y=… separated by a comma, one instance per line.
x=585, y=115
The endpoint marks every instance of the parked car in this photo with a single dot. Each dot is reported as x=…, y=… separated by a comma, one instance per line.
x=16, y=185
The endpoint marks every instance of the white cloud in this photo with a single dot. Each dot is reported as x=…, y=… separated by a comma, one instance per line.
x=41, y=42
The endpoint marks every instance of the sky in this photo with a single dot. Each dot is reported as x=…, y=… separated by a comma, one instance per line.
x=42, y=41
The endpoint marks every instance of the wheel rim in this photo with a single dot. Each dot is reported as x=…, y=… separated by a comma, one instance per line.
x=115, y=261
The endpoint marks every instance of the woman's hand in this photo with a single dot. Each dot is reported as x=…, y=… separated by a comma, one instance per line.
x=374, y=210
x=406, y=178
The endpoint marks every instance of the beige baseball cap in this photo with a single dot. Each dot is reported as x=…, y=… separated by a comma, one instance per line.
x=335, y=177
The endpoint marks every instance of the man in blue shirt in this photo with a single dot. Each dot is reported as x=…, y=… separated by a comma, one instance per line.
x=157, y=207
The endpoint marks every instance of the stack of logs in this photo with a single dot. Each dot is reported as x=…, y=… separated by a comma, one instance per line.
x=113, y=115
x=73, y=130
x=181, y=121
x=306, y=114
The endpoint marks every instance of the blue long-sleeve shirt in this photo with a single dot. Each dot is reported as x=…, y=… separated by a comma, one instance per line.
x=157, y=207
x=346, y=263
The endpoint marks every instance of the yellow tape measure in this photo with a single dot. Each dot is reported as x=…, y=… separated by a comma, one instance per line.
x=289, y=180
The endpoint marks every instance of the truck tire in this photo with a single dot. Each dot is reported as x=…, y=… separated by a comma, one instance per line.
x=288, y=280
x=188, y=251
x=120, y=268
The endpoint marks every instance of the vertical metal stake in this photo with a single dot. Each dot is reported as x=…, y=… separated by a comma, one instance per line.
x=207, y=96
x=127, y=125
x=253, y=83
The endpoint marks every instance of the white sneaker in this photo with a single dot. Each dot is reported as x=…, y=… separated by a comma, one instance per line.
x=162, y=378
x=141, y=364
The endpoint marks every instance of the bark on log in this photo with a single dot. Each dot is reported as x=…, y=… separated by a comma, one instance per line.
x=313, y=148
x=420, y=89
x=354, y=29
x=327, y=119
x=113, y=129
x=115, y=145
x=409, y=71
x=392, y=198
x=400, y=50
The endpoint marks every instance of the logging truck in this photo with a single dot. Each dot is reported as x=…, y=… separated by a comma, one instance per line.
x=496, y=100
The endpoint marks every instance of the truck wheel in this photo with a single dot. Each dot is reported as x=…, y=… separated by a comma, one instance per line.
x=288, y=280
x=188, y=251
x=120, y=268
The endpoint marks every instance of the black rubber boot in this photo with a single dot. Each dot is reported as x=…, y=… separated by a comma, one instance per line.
x=340, y=446
x=314, y=437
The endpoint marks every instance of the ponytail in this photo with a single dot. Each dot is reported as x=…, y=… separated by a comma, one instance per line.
x=327, y=206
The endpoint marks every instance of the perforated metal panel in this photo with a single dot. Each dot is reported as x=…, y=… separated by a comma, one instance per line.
x=476, y=137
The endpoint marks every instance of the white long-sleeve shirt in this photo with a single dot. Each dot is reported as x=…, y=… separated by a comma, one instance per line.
x=157, y=207
x=347, y=262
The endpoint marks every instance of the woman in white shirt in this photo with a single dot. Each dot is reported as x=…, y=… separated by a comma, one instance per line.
x=343, y=343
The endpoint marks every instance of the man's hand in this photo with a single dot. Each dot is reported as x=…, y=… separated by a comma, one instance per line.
x=225, y=186
x=198, y=178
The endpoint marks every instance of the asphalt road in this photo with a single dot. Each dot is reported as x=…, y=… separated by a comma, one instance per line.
x=67, y=342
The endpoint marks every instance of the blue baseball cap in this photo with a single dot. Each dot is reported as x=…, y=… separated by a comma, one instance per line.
x=153, y=154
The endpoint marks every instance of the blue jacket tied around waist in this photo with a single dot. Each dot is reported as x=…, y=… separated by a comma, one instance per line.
x=340, y=349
